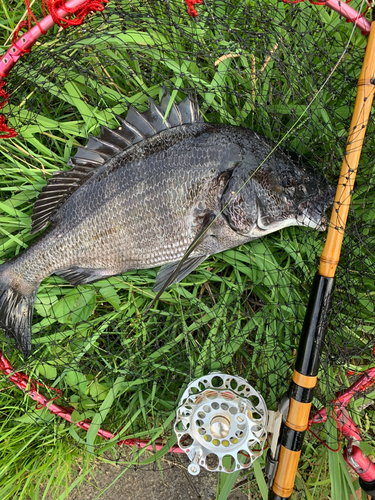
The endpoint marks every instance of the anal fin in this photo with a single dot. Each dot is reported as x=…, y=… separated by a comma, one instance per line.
x=79, y=275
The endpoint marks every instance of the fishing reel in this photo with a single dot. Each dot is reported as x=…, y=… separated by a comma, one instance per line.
x=221, y=423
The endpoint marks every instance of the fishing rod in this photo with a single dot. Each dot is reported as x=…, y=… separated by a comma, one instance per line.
x=304, y=380
x=282, y=467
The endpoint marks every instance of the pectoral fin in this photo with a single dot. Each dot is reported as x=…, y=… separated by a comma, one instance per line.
x=169, y=273
x=175, y=272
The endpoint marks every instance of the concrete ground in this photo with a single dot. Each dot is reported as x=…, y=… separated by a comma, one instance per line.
x=173, y=483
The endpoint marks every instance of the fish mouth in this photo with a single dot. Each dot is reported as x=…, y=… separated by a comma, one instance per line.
x=313, y=214
x=310, y=213
x=313, y=219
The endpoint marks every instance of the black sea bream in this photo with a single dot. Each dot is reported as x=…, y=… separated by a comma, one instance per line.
x=138, y=197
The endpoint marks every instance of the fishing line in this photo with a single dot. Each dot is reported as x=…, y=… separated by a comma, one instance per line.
x=256, y=342
x=295, y=124
x=206, y=227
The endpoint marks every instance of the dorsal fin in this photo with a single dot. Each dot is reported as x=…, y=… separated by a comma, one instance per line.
x=135, y=128
x=174, y=117
x=180, y=114
x=189, y=111
x=155, y=116
x=54, y=194
x=139, y=122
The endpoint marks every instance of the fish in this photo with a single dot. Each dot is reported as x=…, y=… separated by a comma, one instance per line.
x=162, y=189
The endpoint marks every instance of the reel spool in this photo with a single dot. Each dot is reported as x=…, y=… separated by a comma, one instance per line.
x=221, y=423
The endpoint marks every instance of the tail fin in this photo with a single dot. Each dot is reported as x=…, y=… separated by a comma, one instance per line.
x=16, y=310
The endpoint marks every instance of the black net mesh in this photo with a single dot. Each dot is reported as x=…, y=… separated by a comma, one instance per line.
x=289, y=72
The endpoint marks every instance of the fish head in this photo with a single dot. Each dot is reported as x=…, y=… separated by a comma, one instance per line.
x=279, y=194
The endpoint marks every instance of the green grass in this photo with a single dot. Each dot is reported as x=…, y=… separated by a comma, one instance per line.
x=33, y=456
x=240, y=312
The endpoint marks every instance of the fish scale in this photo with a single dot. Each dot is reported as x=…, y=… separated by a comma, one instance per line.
x=156, y=193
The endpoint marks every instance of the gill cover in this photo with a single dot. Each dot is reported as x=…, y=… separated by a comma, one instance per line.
x=239, y=200
x=262, y=199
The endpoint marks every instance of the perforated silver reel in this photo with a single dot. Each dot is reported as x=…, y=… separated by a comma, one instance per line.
x=221, y=423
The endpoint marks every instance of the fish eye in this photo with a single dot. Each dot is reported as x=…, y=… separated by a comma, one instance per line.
x=287, y=182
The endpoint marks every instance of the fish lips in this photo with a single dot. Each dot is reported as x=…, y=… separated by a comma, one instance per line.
x=312, y=212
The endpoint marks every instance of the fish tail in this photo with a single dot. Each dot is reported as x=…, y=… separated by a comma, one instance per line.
x=17, y=300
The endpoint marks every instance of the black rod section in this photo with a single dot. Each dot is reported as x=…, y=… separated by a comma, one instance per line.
x=315, y=326
x=307, y=364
